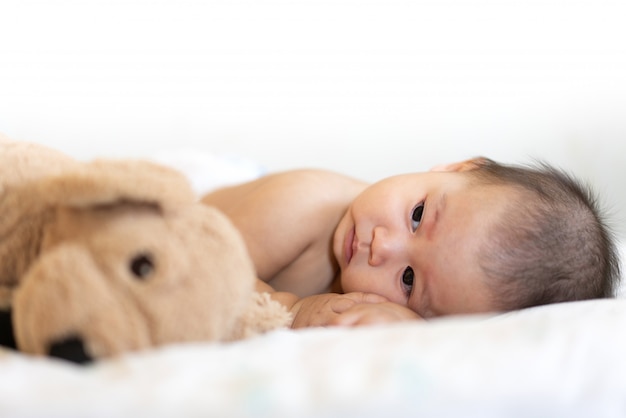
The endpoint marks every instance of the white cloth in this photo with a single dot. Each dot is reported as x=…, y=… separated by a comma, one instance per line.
x=559, y=361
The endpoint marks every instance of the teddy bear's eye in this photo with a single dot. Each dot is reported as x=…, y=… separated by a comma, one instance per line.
x=142, y=265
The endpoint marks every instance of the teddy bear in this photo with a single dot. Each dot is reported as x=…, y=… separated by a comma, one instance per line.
x=103, y=257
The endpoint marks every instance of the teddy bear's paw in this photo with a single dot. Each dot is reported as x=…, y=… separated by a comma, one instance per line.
x=263, y=315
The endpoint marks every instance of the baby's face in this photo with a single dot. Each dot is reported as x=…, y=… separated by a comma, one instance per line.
x=415, y=239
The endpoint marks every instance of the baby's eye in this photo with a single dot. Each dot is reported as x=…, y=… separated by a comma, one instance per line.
x=416, y=216
x=407, y=280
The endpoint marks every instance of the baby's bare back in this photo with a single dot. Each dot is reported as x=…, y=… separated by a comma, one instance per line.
x=287, y=220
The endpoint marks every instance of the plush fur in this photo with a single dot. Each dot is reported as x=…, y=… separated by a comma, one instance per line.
x=111, y=256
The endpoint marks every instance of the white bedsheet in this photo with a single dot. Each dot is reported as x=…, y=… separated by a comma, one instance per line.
x=562, y=360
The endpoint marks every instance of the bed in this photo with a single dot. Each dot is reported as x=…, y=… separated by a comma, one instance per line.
x=559, y=360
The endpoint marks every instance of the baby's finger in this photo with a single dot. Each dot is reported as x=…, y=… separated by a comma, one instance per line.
x=362, y=297
x=347, y=301
x=341, y=304
x=357, y=317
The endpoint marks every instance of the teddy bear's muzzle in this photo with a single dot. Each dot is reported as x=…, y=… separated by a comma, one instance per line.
x=76, y=319
x=70, y=348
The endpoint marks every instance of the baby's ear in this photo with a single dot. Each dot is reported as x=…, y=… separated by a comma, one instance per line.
x=466, y=165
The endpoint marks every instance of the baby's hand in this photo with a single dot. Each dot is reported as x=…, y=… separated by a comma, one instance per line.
x=378, y=313
x=327, y=309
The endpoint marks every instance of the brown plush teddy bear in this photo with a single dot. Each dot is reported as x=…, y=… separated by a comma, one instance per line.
x=105, y=257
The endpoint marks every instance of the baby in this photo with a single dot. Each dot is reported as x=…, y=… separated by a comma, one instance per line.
x=469, y=237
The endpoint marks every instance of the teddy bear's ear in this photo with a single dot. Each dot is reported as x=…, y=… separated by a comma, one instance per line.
x=101, y=182
x=104, y=182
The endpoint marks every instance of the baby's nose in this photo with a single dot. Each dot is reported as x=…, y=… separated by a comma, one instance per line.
x=385, y=246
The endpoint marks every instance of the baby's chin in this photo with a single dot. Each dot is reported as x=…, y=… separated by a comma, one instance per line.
x=345, y=283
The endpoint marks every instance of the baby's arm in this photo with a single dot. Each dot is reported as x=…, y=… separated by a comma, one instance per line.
x=287, y=221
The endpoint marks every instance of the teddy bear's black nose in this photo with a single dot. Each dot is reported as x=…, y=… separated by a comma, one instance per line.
x=71, y=349
x=7, y=338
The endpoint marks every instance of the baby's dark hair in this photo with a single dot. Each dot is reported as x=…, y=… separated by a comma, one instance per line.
x=552, y=243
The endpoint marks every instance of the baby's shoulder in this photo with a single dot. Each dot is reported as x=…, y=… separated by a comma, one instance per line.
x=314, y=184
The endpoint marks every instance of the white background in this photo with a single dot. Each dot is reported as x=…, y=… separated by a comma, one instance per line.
x=370, y=88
